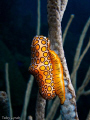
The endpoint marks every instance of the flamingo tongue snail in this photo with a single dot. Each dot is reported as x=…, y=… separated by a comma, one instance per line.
x=46, y=67
x=41, y=67
x=58, y=76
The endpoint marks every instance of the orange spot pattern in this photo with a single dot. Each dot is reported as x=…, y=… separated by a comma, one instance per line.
x=47, y=69
x=41, y=67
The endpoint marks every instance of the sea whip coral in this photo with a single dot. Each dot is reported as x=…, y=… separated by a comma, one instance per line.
x=55, y=12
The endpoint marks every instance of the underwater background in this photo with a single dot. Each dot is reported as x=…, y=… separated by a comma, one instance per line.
x=18, y=24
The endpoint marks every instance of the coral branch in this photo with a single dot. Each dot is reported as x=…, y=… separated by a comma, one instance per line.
x=8, y=89
x=27, y=97
x=53, y=109
x=63, y=7
x=38, y=18
x=30, y=117
x=59, y=118
x=80, y=59
x=85, y=82
x=67, y=27
x=86, y=92
x=55, y=35
x=49, y=104
x=4, y=105
x=78, y=50
x=40, y=108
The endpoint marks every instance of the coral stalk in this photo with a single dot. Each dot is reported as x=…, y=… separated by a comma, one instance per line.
x=55, y=35
x=40, y=105
x=78, y=50
x=63, y=7
x=40, y=108
x=38, y=18
x=27, y=98
x=67, y=27
x=30, y=117
x=8, y=89
x=4, y=105
x=85, y=82
x=53, y=109
x=88, y=117
x=80, y=59
x=86, y=92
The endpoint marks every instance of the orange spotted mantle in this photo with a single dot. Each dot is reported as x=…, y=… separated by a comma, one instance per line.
x=46, y=67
